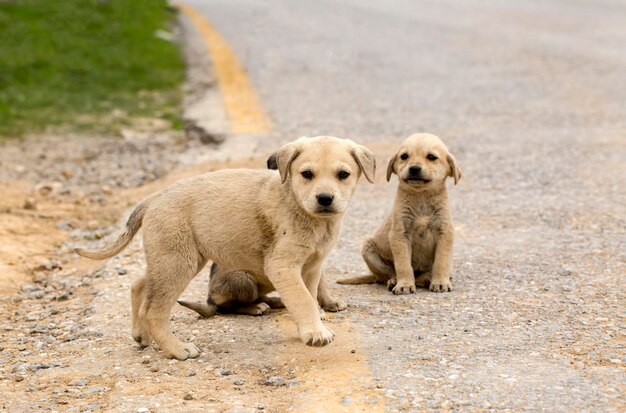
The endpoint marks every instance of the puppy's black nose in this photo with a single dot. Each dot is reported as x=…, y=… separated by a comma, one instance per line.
x=415, y=170
x=324, y=199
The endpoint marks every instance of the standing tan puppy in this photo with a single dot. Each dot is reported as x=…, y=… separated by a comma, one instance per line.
x=413, y=246
x=236, y=291
x=277, y=226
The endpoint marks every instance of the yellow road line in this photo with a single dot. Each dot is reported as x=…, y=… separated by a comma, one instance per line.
x=240, y=100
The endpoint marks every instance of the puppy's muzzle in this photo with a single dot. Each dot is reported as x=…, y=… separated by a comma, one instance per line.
x=325, y=200
x=415, y=171
x=414, y=174
x=325, y=204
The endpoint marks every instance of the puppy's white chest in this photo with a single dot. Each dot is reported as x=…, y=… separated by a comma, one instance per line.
x=421, y=224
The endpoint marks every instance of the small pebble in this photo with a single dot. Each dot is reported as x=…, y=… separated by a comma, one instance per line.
x=30, y=203
x=276, y=381
x=188, y=396
x=238, y=382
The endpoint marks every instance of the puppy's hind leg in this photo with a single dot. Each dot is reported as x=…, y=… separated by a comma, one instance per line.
x=139, y=330
x=381, y=269
x=326, y=300
x=168, y=276
x=255, y=309
x=273, y=302
x=379, y=266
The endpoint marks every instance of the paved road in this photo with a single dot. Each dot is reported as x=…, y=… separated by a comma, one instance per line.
x=530, y=98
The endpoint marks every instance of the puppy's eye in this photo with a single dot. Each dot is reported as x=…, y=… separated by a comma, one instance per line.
x=404, y=156
x=343, y=175
x=431, y=157
x=307, y=175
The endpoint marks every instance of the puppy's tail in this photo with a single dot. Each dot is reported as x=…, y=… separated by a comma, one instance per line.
x=204, y=309
x=361, y=279
x=132, y=226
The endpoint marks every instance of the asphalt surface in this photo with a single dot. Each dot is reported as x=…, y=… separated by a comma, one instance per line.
x=529, y=96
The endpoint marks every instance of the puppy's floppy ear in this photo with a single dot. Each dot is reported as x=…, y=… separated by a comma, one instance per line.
x=283, y=158
x=391, y=166
x=455, y=171
x=271, y=162
x=366, y=160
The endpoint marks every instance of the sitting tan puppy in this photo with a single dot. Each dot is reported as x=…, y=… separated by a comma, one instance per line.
x=234, y=292
x=413, y=246
x=277, y=226
x=238, y=292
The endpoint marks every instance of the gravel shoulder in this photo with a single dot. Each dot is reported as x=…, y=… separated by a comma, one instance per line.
x=539, y=326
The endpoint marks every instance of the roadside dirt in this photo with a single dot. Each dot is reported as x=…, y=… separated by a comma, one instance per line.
x=31, y=234
x=22, y=243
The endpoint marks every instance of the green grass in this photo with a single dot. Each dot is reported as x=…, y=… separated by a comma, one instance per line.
x=86, y=64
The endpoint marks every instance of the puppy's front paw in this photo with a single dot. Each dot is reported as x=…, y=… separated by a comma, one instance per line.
x=192, y=350
x=403, y=288
x=317, y=338
x=391, y=283
x=183, y=351
x=440, y=286
x=260, y=309
x=334, y=305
